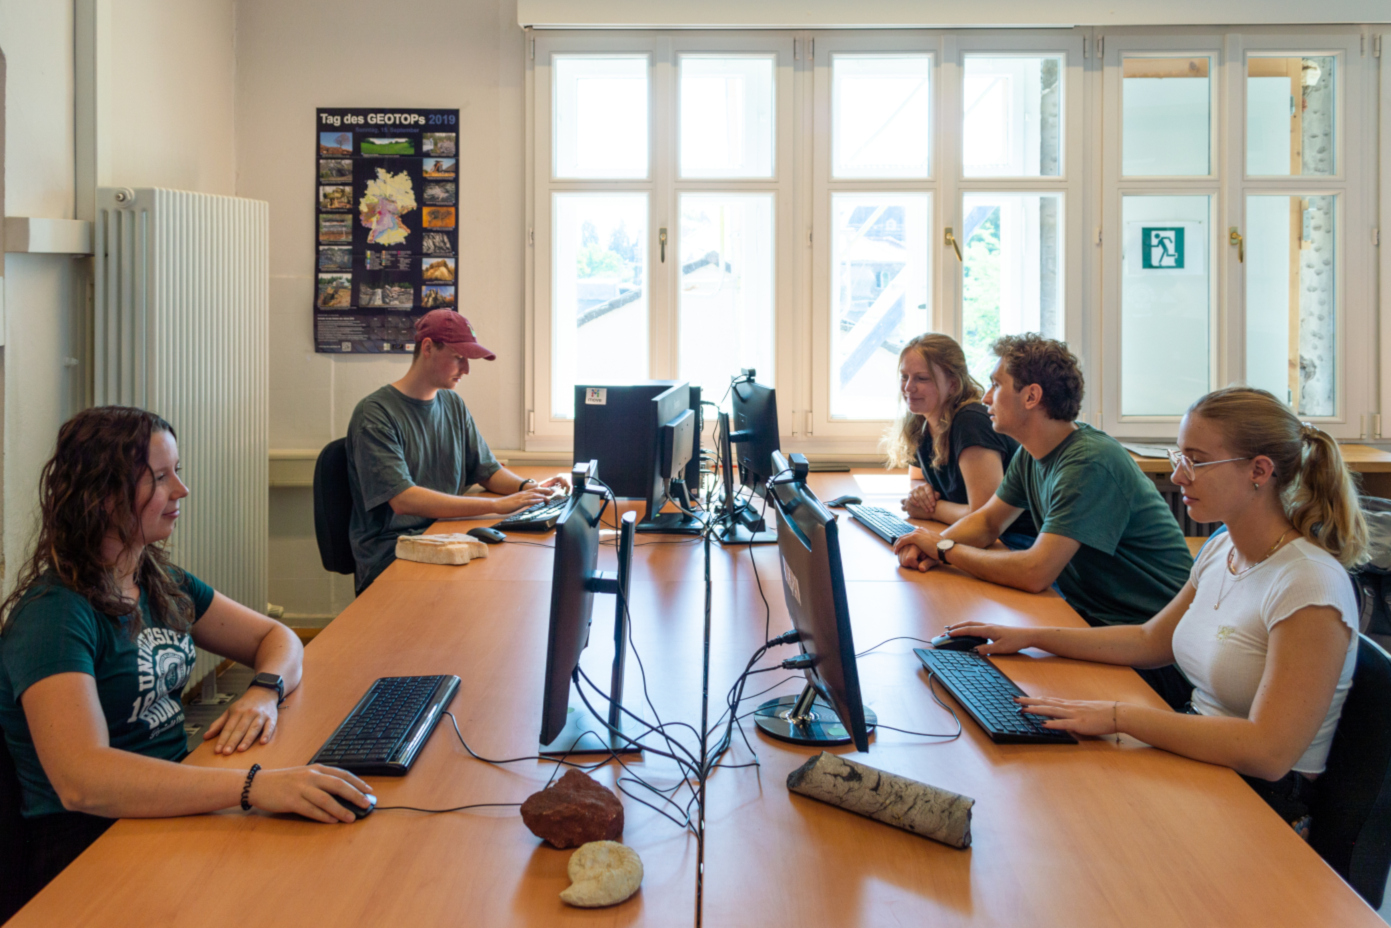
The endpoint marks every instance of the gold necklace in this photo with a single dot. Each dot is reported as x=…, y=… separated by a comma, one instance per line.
x=1231, y=566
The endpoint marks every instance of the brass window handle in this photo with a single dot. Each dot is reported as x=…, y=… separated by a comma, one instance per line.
x=662, y=237
x=950, y=239
x=1234, y=238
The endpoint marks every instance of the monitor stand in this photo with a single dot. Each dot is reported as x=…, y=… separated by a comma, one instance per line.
x=585, y=734
x=671, y=523
x=805, y=719
x=745, y=528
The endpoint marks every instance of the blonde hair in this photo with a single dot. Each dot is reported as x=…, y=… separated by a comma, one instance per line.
x=1316, y=489
x=940, y=352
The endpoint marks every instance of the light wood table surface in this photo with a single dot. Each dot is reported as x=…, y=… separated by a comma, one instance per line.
x=1092, y=834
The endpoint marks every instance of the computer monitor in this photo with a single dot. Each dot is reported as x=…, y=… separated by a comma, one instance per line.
x=567, y=729
x=645, y=437
x=739, y=522
x=755, y=429
x=829, y=709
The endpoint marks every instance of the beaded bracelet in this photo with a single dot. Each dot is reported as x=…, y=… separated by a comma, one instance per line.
x=246, y=790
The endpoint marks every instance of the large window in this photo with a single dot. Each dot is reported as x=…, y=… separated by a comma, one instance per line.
x=1176, y=208
x=1229, y=257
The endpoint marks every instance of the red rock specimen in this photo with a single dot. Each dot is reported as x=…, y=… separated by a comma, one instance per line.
x=574, y=811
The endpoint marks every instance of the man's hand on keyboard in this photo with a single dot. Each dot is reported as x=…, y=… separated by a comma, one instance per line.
x=523, y=498
x=559, y=482
x=918, y=551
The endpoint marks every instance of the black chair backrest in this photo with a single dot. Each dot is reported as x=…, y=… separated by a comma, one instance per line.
x=333, y=508
x=15, y=888
x=1351, y=806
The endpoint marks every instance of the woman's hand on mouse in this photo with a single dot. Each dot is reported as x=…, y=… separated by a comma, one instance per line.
x=309, y=791
x=1077, y=716
x=1004, y=639
x=921, y=503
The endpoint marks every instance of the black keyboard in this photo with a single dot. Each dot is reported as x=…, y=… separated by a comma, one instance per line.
x=539, y=518
x=388, y=727
x=880, y=521
x=988, y=695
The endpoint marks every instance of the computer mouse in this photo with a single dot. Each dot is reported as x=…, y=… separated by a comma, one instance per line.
x=491, y=535
x=356, y=810
x=843, y=500
x=957, y=642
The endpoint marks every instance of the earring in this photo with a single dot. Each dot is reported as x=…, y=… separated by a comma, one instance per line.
x=1255, y=486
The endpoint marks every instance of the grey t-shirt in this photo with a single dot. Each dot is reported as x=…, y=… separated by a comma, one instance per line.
x=396, y=442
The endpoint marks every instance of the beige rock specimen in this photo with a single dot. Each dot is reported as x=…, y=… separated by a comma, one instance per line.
x=925, y=810
x=440, y=549
x=602, y=873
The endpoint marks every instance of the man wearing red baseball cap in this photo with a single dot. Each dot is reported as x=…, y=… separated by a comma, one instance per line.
x=413, y=449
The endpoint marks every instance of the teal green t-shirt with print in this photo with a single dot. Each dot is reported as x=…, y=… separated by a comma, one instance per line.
x=139, y=681
x=1133, y=558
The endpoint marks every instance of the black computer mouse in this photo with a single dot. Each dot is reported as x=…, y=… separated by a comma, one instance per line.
x=843, y=500
x=356, y=810
x=491, y=535
x=957, y=642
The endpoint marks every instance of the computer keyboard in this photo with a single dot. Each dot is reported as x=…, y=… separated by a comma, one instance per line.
x=388, y=727
x=880, y=521
x=539, y=518
x=988, y=696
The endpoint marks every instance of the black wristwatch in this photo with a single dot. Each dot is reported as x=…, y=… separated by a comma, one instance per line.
x=271, y=681
x=525, y=481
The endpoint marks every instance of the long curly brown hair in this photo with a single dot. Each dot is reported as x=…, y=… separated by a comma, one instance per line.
x=87, y=491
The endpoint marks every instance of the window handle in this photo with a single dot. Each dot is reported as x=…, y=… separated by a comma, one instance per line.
x=662, y=237
x=1234, y=238
x=950, y=239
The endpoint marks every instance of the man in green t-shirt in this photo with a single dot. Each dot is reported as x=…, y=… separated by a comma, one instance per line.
x=1105, y=535
x=413, y=449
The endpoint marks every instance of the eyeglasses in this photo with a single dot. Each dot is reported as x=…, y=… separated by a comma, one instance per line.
x=1184, y=467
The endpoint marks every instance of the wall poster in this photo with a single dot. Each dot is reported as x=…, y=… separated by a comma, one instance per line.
x=387, y=225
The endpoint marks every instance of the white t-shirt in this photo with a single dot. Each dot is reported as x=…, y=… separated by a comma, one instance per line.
x=1222, y=649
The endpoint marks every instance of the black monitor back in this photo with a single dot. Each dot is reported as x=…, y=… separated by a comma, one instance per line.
x=572, y=604
x=814, y=589
x=755, y=413
x=619, y=429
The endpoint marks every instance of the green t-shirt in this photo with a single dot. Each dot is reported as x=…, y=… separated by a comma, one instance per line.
x=396, y=442
x=139, y=682
x=1133, y=558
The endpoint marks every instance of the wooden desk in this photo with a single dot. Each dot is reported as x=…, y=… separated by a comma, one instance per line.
x=1095, y=834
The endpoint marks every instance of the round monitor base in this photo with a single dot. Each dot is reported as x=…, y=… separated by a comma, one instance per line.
x=822, y=727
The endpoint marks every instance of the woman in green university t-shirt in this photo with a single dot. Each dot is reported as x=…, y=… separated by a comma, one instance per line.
x=98, y=642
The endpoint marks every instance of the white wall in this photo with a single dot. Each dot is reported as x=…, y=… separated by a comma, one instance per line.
x=170, y=124
x=43, y=314
x=294, y=57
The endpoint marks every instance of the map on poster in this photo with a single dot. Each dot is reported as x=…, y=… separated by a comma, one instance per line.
x=387, y=224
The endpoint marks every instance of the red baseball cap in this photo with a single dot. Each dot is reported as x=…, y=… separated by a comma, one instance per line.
x=445, y=326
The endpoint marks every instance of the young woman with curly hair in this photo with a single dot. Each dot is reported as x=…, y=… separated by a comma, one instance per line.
x=98, y=643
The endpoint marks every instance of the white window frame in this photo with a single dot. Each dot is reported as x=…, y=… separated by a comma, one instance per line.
x=546, y=431
x=1228, y=185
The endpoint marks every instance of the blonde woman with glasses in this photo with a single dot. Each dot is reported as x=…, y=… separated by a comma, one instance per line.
x=1265, y=628
x=945, y=430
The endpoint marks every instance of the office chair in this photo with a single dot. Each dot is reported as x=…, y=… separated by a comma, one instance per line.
x=1351, y=805
x=333, y=508
x=15, y=890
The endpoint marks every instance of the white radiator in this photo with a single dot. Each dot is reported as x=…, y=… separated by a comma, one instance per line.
x=182, y=329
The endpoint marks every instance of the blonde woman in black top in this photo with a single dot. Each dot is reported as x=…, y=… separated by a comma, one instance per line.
x=946, y=431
